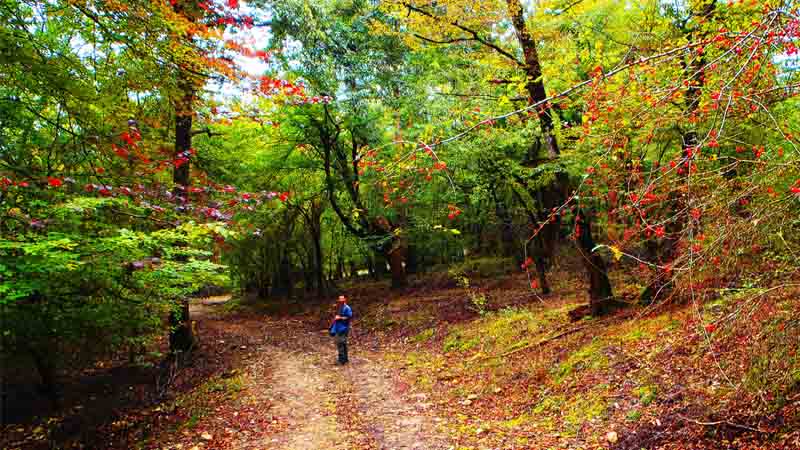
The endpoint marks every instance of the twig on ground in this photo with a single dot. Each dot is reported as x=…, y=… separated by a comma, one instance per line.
x=723, y=422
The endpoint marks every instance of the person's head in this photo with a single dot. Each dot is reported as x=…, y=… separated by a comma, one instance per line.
x=342, y=300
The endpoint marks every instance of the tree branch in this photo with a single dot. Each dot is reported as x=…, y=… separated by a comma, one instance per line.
x=475, y=36
x=446, y=41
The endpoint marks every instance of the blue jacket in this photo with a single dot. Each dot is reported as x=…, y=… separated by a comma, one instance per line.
x=342, y=326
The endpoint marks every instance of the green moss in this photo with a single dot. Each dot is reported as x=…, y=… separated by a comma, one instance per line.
x=647, y=394
x=459, y=342
x=647, y=328
x=590, y=357
x=547, y=409
x=574, y=411
x=424, y=336
x=583, y=409
x=506, y=330
x=635, y=335
x=634, y=415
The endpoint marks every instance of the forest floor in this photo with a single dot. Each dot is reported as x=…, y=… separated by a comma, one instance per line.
x=288, y=393
x=430, y=371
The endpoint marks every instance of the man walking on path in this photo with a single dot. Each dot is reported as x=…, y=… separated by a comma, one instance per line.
x=341, y=327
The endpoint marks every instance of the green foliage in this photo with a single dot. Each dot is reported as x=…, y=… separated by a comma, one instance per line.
x=83, y=288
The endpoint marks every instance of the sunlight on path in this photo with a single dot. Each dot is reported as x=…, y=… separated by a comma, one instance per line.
x=394, y=421
x=356, y=406
x=302, y=395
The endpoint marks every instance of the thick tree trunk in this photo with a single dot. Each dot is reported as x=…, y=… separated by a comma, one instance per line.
x=541, y=267
x=181, y=338
x=282, y=284
x=380, y=266
x=600, y=293
x=551, y=196
x=371, y=268
x=543, y=244
x=396, y=259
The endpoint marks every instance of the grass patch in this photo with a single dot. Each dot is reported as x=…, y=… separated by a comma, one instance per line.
x=232, y=306
x=647, y=328
x=588, y=357
x=505, y=330
x=200, y=402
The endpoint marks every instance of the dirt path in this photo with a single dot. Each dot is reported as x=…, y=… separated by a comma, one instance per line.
x=292, y=381
x=302, y=391
x=356, y=406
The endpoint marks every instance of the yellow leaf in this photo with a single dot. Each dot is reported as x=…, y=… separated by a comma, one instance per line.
x=616, y=252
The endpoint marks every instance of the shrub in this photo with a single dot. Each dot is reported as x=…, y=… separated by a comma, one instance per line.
x=80, y=288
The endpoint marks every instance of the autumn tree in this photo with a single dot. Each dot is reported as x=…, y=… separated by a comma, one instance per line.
x=459, y=24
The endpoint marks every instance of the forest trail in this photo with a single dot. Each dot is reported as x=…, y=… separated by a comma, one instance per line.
x=291, y=380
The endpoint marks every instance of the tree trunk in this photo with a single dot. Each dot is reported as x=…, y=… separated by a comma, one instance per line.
x=396, y=259
x=600, y=293
x=371, y=268
x=533, y=72
x=318, y=263
x=380, y=266
x=543, y=243
x=181, y=338
x=283, y=282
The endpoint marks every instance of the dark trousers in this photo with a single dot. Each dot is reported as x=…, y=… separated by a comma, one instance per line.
x=341, y=345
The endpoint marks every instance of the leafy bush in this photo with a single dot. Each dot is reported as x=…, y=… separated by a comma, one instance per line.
x=80, y=288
